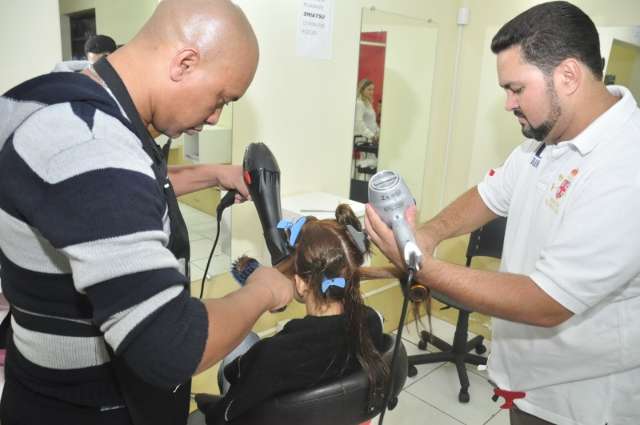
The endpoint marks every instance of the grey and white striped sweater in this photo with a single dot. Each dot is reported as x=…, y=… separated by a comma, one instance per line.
x=83, y=256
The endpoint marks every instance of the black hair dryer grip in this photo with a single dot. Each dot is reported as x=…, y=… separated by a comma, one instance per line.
x=262, y=176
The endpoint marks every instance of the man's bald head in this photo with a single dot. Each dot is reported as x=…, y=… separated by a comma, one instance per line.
x=211, y=26
x=190, y=59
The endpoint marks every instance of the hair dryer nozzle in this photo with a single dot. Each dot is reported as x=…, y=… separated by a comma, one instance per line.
x=262, y=176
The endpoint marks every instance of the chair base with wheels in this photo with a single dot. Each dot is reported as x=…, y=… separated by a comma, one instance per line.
x=487, y=241
x=458, y=353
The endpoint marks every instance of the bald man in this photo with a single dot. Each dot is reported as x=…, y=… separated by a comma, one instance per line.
x=94, y=253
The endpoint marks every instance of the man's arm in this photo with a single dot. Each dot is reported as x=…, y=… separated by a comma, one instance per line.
x=505, y=295
x=508, y=296
x=232, y=317
x=464, y=215
x=189, y=178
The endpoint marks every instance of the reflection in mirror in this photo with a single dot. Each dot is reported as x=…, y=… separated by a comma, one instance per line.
x=393, y=102
x=121, y=19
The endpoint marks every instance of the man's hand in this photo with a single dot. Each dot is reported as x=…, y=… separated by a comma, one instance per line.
x=381, y=235
x=280, y=287
x=190, y=178
x=231, y=177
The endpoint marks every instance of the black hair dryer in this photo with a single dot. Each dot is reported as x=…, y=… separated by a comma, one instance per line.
x=262, y=176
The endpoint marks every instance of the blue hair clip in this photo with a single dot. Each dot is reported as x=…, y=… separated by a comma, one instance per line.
x=294, y=228
x=340, y=282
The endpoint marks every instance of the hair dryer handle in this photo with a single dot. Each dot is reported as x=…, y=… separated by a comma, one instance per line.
x=404, y=237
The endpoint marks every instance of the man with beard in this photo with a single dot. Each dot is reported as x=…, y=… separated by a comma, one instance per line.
x=568, y=291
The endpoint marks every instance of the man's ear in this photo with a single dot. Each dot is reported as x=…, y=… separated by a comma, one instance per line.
x=183, y=63
x=568, y=76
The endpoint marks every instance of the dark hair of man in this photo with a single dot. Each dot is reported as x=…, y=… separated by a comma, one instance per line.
x=550, y=33
x=326, y=249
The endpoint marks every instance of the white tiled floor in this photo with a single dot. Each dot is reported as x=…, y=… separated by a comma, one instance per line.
x=202, y=232
x=429, y=398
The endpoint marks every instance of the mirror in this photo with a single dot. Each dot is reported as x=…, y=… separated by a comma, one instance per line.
x=393, y=102
x=121, y=19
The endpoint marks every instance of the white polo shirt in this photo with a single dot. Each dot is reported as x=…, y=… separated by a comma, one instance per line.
x=574, y=228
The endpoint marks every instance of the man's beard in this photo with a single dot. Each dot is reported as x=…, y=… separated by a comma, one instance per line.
x=541, y=132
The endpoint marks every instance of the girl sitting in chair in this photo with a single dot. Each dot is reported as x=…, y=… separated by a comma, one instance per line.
x=338, y=336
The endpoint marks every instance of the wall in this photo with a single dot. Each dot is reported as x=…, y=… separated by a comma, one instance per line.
x=634, y=83
x=73, y=6
x=608, y=34
x=119, y=19
x=622, y=61
x=29, y=40
x=303, y=108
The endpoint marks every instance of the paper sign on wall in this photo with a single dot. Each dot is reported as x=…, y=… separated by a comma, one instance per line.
x=315, y=29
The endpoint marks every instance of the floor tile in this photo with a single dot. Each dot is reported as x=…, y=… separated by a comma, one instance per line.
x=195, y=236
x=220, y=263
x=440, y=388
x=199, y=218
x=413, y=411
x=207, y=229
x=201, y=249
x=500, y=418
x=423, y=370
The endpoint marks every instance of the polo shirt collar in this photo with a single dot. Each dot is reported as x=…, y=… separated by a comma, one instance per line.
x=606, y=124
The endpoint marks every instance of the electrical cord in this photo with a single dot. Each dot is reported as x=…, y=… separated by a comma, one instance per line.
x=226, y=201
x=411, y=272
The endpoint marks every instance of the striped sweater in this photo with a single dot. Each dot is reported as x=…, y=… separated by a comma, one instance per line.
x=83, y=248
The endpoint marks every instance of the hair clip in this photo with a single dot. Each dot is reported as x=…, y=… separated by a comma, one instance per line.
x=294, y=228
x=340, y=282
x=358, y=237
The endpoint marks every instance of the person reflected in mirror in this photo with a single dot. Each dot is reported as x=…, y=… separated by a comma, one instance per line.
x=365, y=121
x=338, y=336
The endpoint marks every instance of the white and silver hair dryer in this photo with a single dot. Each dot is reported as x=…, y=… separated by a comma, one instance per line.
x=390, y=197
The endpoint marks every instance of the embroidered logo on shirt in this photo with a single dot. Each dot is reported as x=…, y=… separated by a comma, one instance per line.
x=492, y=172
x=560, y=188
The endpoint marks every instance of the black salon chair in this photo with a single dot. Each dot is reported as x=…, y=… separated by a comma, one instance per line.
x=486, y=241
x=343, y=402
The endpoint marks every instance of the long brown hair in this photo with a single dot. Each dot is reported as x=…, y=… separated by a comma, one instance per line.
x=326, y=249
